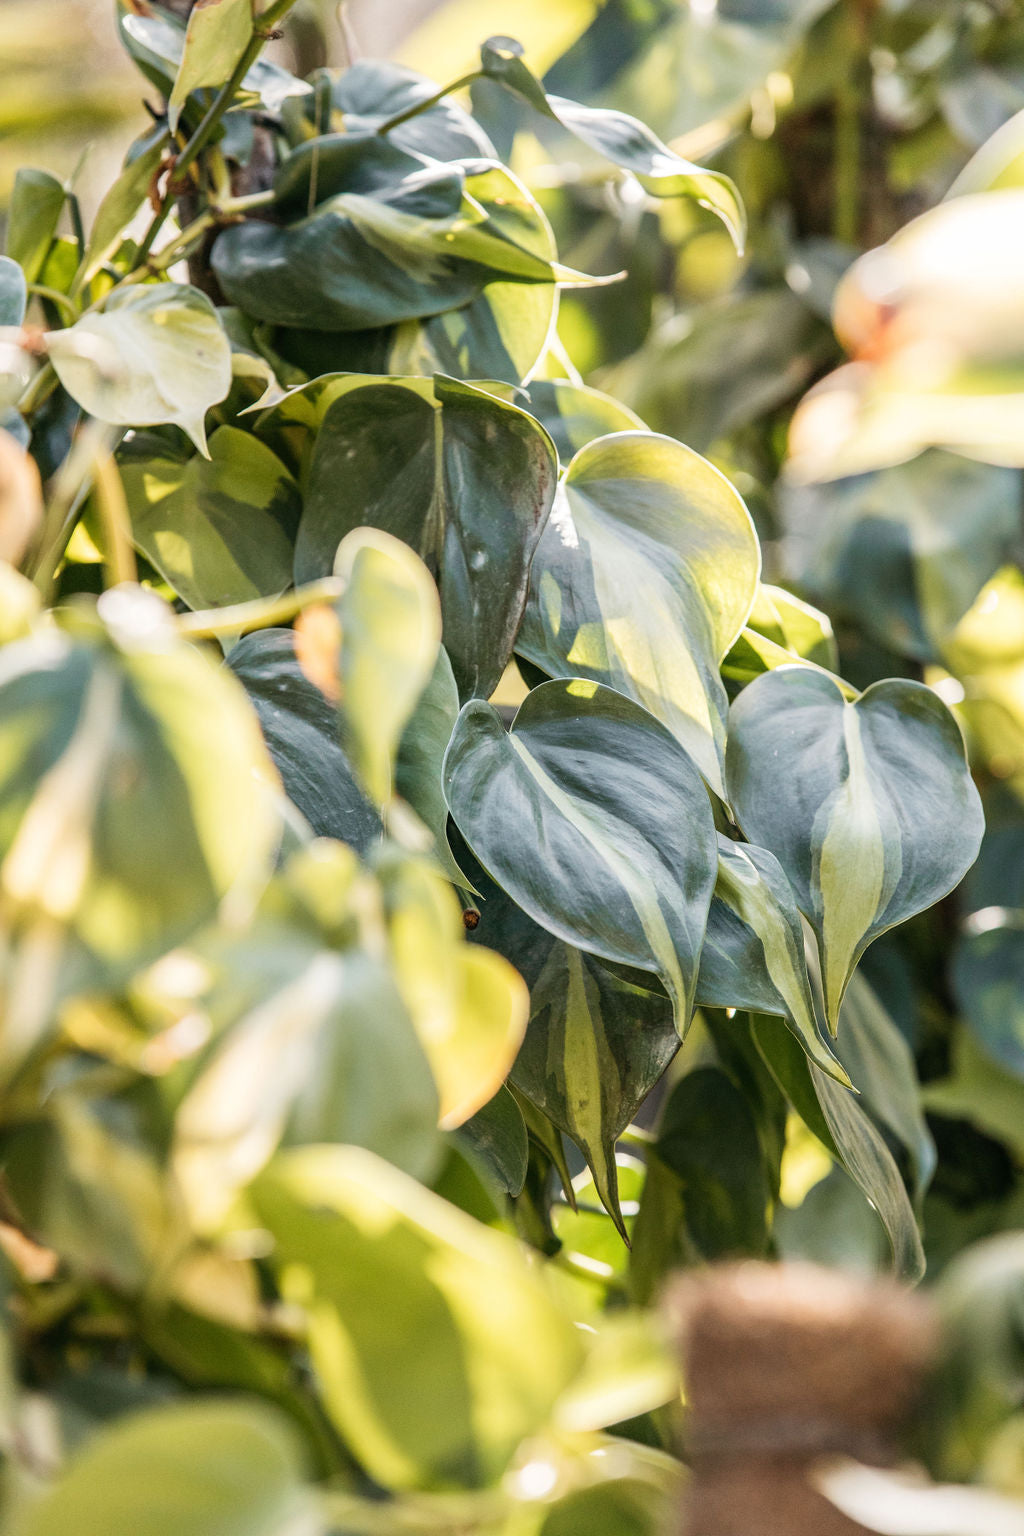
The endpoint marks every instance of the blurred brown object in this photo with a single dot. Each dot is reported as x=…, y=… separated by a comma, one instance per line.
x=785, y=1365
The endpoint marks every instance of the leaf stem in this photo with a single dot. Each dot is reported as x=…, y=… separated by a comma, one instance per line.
x=263, y=28
x=119, y=553
x=261, y=613
x=429, y=101
x=54, y=296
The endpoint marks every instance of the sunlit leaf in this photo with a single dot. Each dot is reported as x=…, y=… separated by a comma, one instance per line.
x=218, y=529
x=203, y=1468
x=215, y=39
x=643, y=579
x=153, y=355
x=402, y=1291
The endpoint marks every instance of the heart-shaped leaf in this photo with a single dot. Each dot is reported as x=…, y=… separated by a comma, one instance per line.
x=154, y=355
x=868, y=806
x=218, y=529
x=465, y=479
x=594, y=820
x=643, y=579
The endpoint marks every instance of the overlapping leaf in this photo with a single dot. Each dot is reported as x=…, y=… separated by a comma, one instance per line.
x=119, y=763
x=623, y=140
x=594, y=820
x=152, y=355
x=597, y=1040
x=868, y=806
x=391, y=1273
x=219, y=530
x=414, y=245
x=753, y=954
x=643, y=579
x=464, y=478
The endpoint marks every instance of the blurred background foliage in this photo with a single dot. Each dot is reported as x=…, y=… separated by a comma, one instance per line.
x=841, y=121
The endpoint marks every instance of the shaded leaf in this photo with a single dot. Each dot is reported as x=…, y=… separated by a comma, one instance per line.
x=464, y=478
x=596, y=1043
x=300, y=728
x=497, y=1135
x=643, y=579
x=418, y=768
x=858, y=1144
x=868, y=806
x=594, y=820
x=904, y=551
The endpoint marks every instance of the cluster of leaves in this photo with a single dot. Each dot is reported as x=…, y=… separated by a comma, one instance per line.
x=315, y=521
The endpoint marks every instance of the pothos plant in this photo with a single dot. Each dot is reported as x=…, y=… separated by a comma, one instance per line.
x=330, y=990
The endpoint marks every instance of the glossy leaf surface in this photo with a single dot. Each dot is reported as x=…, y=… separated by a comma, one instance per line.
x=643, y=579
x=869, y=807
x=463, y=478
x=594, y=820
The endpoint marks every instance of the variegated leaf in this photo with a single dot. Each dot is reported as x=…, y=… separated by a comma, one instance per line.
x=597, y=1041
x=754, y=948
x=462, y=477
x=869, y=806
x=595, y=821
x=642, y=580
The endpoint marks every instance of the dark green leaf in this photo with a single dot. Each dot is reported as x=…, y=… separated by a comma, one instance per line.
x=421, y=755
x=497, y=1135
x=597, y=1041
x=464, y=478
x=869, y=807
x=300, y=727
x=906, y=550
x=594, y=820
